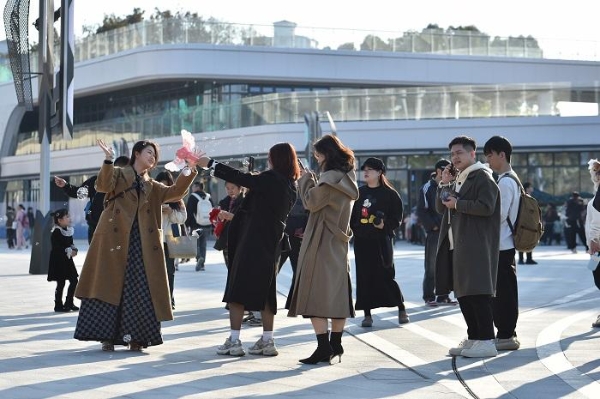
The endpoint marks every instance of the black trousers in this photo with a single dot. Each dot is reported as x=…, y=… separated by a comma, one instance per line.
x=429, y=278
x=572, y=232
x=596, y=274
x=292, y=254
x=505, y=304
x=477, y=311
x=170, y=262
x=60, y=286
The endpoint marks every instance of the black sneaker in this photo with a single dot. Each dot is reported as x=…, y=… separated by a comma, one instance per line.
x=446, y=301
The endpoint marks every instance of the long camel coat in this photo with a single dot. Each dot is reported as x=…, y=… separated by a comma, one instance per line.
x=473, y=267
x=103, y=273
x=322, y=287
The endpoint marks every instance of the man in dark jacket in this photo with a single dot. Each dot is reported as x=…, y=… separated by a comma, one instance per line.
x=95, y=206
x=202, y=230
x=574, y=209
x=468, y=247
x=431, y=219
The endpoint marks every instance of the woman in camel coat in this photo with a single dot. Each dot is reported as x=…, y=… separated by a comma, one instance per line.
x=123, y=288
x=323, y=289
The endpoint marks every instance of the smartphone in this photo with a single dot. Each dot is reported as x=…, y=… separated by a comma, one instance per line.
x=453, y=171
x=301, y=164
x=250, y=164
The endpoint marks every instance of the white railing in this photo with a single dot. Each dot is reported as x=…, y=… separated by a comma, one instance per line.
x=199, y=31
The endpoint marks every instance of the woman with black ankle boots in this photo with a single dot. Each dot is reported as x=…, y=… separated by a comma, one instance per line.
x=323, y=289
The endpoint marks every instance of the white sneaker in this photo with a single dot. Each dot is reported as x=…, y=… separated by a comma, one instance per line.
x=231, y=348
x=486, y=348
x=464, y=344
x=265, y=348
x=507, y=344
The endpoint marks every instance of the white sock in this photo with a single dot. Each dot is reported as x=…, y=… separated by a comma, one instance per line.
x=234, y=335
x=267, y=335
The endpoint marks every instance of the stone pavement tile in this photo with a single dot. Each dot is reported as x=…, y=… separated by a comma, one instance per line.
x=40, y=359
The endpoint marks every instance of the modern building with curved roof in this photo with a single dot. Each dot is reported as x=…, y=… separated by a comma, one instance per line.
x=240, y=92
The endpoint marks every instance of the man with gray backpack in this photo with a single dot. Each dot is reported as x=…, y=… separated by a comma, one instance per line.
x=199, y=205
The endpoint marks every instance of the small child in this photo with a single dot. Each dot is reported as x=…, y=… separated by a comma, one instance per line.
x=62, y=267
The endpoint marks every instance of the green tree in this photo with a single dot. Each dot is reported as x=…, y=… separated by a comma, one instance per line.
x=347, y=46
x=111, y=21
x=374, y=43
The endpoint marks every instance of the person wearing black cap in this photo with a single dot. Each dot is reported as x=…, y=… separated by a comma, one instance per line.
x=574, y=224
x=375, y=216
x=431, y=220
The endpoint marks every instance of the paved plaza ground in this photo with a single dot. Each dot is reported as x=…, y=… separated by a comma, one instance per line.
x=559, y=356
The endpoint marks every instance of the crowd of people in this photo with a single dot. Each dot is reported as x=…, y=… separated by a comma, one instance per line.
x=310, y=217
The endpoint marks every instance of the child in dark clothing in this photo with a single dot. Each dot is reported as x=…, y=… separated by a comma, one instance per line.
x=62, y=267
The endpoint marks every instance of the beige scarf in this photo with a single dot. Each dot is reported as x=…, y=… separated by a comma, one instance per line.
x=458, y=183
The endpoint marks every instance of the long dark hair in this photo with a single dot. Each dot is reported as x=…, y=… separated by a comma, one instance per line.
x=337, y=155
x=167, y=177
x=284, y=160
x=385, y=182
x=139, y=147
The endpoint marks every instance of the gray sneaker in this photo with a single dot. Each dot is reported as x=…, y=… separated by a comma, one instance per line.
x=507, y=344
x=231, y=348
x=481, y=348
x=200, y=264
x=265, y=348
x=464, y=344
x=254, y=322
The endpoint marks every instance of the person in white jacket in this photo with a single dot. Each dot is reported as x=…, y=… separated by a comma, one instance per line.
x=173, y=213
x=592, y=226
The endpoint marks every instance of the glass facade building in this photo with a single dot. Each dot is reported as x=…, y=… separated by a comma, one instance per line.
x=163, y=108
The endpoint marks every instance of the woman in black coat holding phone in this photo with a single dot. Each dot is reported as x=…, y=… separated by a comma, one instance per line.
x=254, y=242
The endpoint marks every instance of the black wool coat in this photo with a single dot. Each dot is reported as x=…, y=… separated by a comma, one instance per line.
x=255, y=234
x=61, y=267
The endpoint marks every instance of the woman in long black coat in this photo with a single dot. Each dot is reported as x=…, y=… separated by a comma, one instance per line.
x=61, y=266
x=375, y=216
x=254, y=242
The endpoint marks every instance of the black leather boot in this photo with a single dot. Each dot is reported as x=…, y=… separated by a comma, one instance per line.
x=336, y=345
x=322, y=353
x=69, y=305
x=58, y=306
x=58, y=303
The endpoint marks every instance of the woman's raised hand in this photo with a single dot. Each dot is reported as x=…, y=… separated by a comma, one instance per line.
x=108, y=150
x=201, y=159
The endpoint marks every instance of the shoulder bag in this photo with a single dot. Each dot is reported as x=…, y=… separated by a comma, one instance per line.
x=181, y=245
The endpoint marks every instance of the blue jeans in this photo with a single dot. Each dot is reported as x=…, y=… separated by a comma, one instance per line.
x=201, y=249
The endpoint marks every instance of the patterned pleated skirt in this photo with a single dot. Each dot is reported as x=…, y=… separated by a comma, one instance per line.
x=134, y=319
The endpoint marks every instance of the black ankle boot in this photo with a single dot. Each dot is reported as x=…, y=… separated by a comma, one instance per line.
x=70, y=306
x=323, y=351
x=58, y=307
x=336, y=345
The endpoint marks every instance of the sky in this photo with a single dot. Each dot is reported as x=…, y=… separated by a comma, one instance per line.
x=543, y=19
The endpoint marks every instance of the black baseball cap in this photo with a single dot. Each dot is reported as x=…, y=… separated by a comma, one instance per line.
x=373, y=163
x=441, y=164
